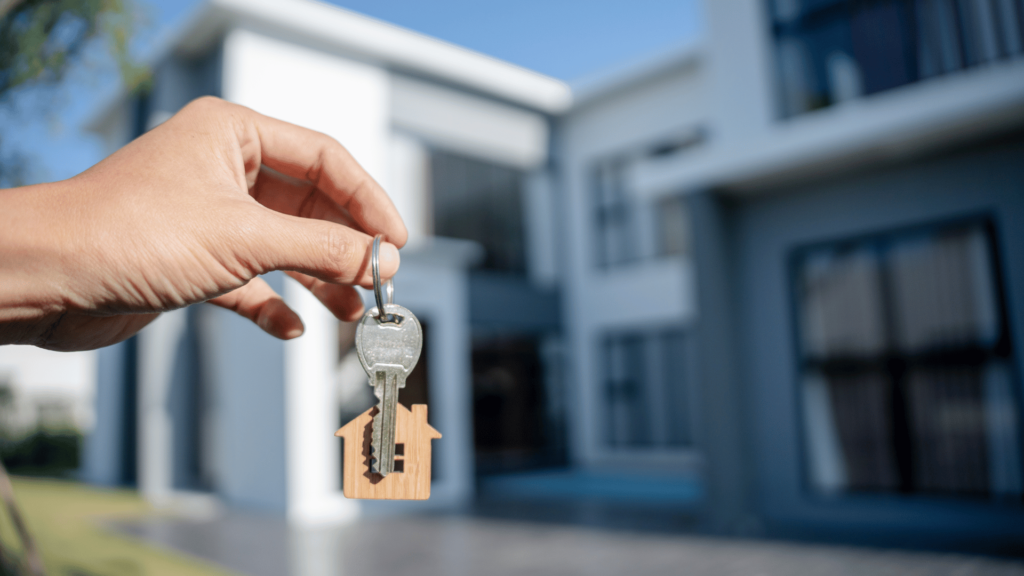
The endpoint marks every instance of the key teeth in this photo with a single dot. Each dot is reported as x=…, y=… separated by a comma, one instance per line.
x=374, y=463
x=375, y=438
x=382, y=439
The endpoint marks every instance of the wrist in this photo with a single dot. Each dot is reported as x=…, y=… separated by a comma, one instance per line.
x=32, y=269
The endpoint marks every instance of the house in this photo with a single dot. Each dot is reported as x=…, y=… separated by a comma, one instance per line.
x=771, y=280
x=411, y=477
x=794, y=270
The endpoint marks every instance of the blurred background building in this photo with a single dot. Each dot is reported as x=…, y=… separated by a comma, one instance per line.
x=768, y=283
x=39, y=389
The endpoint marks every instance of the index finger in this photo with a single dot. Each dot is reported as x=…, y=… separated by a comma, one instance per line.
x=316, y=157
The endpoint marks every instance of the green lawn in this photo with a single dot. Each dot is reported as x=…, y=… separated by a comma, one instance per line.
x=63, y=517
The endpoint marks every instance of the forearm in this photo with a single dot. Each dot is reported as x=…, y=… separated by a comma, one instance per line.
x=31, y=273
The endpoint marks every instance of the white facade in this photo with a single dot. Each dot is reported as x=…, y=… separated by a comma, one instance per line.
x=650, y=292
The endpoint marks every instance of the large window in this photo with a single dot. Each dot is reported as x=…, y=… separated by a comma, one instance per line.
x=480, y=201
x=908, y=383
x=646, y=390
x=828, y=51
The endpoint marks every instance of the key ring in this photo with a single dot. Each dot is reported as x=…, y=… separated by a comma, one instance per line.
x=382, y=316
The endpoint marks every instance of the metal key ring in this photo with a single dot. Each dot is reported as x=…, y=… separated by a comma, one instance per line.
x=389, y=285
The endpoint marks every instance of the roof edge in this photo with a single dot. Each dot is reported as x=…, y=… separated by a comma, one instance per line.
x=608, y=81
x=343, y=29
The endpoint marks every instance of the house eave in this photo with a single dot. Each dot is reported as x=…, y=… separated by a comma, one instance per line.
x=611, y=81
x=335, y=28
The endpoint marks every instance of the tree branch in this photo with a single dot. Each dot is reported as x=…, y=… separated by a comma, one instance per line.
x=35, y=564
x=8, y=5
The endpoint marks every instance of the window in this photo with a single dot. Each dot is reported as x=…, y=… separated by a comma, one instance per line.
x=628, y=227
x=631, y=229
x=673, y=227
x=906, y=367
x=616, y=228
x=828, y=51
x=480, y=201
x=646, y=390
x=518, y=420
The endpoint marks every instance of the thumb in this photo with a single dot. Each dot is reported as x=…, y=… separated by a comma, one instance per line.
x=330, y=252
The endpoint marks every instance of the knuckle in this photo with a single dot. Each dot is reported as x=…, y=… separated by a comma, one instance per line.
x=335, y=147
x=206, y=103
x=330, y=149
x=338, y=250
x=363, y=187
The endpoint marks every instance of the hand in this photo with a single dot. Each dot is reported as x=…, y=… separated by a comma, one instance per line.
x=186, y=213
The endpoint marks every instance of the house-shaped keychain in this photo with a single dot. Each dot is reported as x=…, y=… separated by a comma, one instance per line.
x=411, y=477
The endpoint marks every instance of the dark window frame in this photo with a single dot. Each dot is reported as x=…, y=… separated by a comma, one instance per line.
x=661, y=338
x=608, y=198
x=610, y=203
x=811, y=24
x=1002, y=349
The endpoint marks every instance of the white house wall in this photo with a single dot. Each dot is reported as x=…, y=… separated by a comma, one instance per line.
x=651, y=293
x=639, y=115
x=472, y=125
x=340, y=97
x=408, y=185
x=347, y=100
x=311, y=415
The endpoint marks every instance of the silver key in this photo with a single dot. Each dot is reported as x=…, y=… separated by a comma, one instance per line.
x=388, y=351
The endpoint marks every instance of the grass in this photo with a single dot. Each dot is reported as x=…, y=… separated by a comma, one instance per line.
x=64, y=517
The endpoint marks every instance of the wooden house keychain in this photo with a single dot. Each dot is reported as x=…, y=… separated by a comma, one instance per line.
x=387, y=448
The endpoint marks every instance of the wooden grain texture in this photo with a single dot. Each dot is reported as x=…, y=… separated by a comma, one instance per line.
x=413, y=433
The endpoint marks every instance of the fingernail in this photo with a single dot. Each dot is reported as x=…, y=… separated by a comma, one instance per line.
x=282, y=321
x=297, y=329
x=389, y=259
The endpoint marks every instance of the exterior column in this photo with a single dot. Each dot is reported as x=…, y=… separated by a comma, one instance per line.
x=722, y=431
x=158, y=343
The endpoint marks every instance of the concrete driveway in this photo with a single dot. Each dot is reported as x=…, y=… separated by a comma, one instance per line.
x=468, y=545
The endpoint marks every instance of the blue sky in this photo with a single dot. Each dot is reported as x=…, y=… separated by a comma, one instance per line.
x=567, y=39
